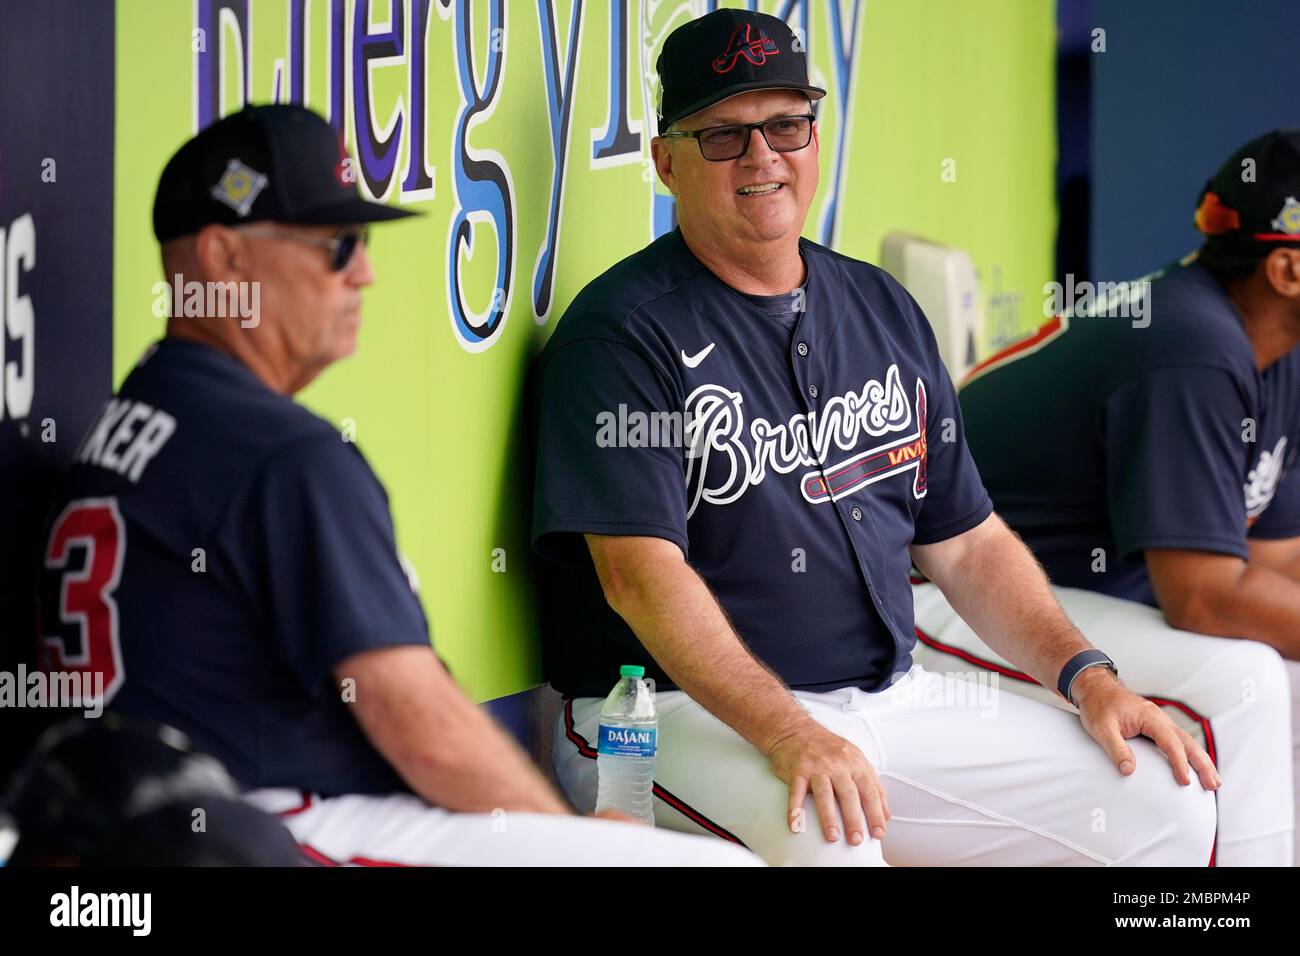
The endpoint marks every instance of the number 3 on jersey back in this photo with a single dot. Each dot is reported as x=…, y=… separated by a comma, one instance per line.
x=85, y=598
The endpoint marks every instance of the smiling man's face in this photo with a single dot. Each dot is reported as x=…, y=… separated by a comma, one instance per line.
x=761, y=197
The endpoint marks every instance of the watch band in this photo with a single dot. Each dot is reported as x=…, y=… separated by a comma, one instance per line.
x=1093, y=657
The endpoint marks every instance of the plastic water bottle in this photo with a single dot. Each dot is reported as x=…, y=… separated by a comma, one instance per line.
x=627, y=741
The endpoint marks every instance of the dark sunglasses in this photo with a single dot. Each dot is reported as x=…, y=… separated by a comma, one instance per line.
x=341, y=247
x=783, y=134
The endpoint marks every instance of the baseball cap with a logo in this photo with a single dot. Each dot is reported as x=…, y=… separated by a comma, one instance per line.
x=724, y=53
x=1253, y=201
x=280, y=162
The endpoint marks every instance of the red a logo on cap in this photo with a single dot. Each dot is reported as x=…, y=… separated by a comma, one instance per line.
x=755, y=49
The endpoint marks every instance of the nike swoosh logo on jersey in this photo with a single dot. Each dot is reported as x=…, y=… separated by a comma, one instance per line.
x=690, y=361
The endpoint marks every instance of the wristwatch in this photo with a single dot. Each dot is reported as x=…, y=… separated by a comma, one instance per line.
x=1077, y=664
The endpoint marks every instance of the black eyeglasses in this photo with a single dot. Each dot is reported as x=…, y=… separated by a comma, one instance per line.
x=341, y=247
x=783, y=134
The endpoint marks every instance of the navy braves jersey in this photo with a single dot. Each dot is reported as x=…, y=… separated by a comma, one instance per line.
x=218, y=550
x=1103, y=436
x=792, y=446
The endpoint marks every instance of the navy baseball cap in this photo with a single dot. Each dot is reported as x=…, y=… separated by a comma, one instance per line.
x=281, y=162
x=724, y=53
x=1253, y=202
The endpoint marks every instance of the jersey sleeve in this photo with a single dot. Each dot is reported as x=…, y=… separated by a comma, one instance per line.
x=314, y=533
x=1175, y=457
x=955, y=497
x=603, y=464
x=1281, y=519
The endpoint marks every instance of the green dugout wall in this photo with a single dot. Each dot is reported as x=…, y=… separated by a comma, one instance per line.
x=520, y=129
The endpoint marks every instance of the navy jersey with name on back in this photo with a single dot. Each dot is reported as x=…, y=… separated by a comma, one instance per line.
x=793, y=454
x=1109, y=435
x=218, y=550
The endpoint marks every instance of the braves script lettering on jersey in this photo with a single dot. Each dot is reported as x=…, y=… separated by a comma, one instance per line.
x=1105, y=436
x=218, y=549
x=805, y=473
x=717, y=427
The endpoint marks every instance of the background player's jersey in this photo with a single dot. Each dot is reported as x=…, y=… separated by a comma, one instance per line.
x=792, y=446
x=1113, y=437
x=217, y=551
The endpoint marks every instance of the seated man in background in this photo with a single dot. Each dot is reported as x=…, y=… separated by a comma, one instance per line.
x=758, y=564
x=1152, y=460
x=226, y=561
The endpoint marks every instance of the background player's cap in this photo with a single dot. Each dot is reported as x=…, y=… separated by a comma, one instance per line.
x=1253, y=201
x=280, y=162
x=120, y=791
x=724, y=53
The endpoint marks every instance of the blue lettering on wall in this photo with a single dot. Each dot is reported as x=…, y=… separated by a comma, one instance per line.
x=418, y=174
x=844, y=47
x=377, y=153
x=482, y=186
x=297, y=60
x=620, y=141
x=209, y=65
x=559, y=101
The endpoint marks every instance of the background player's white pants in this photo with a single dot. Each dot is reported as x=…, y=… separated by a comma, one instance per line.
x=402, y=830
x=973, y=776
x=1233, y=695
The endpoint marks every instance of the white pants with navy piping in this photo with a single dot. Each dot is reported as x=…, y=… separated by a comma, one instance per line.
x=974, y=776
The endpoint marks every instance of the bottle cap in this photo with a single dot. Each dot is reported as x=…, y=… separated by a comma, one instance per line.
x=631, y=670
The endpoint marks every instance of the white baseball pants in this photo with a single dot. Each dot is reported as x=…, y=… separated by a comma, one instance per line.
x=1234, y=696
x=402, y=830
x=974, y=776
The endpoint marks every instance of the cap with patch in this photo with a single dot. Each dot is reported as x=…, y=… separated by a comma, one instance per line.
x=1254, y=198
x=278, y=162
x=724, y=53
